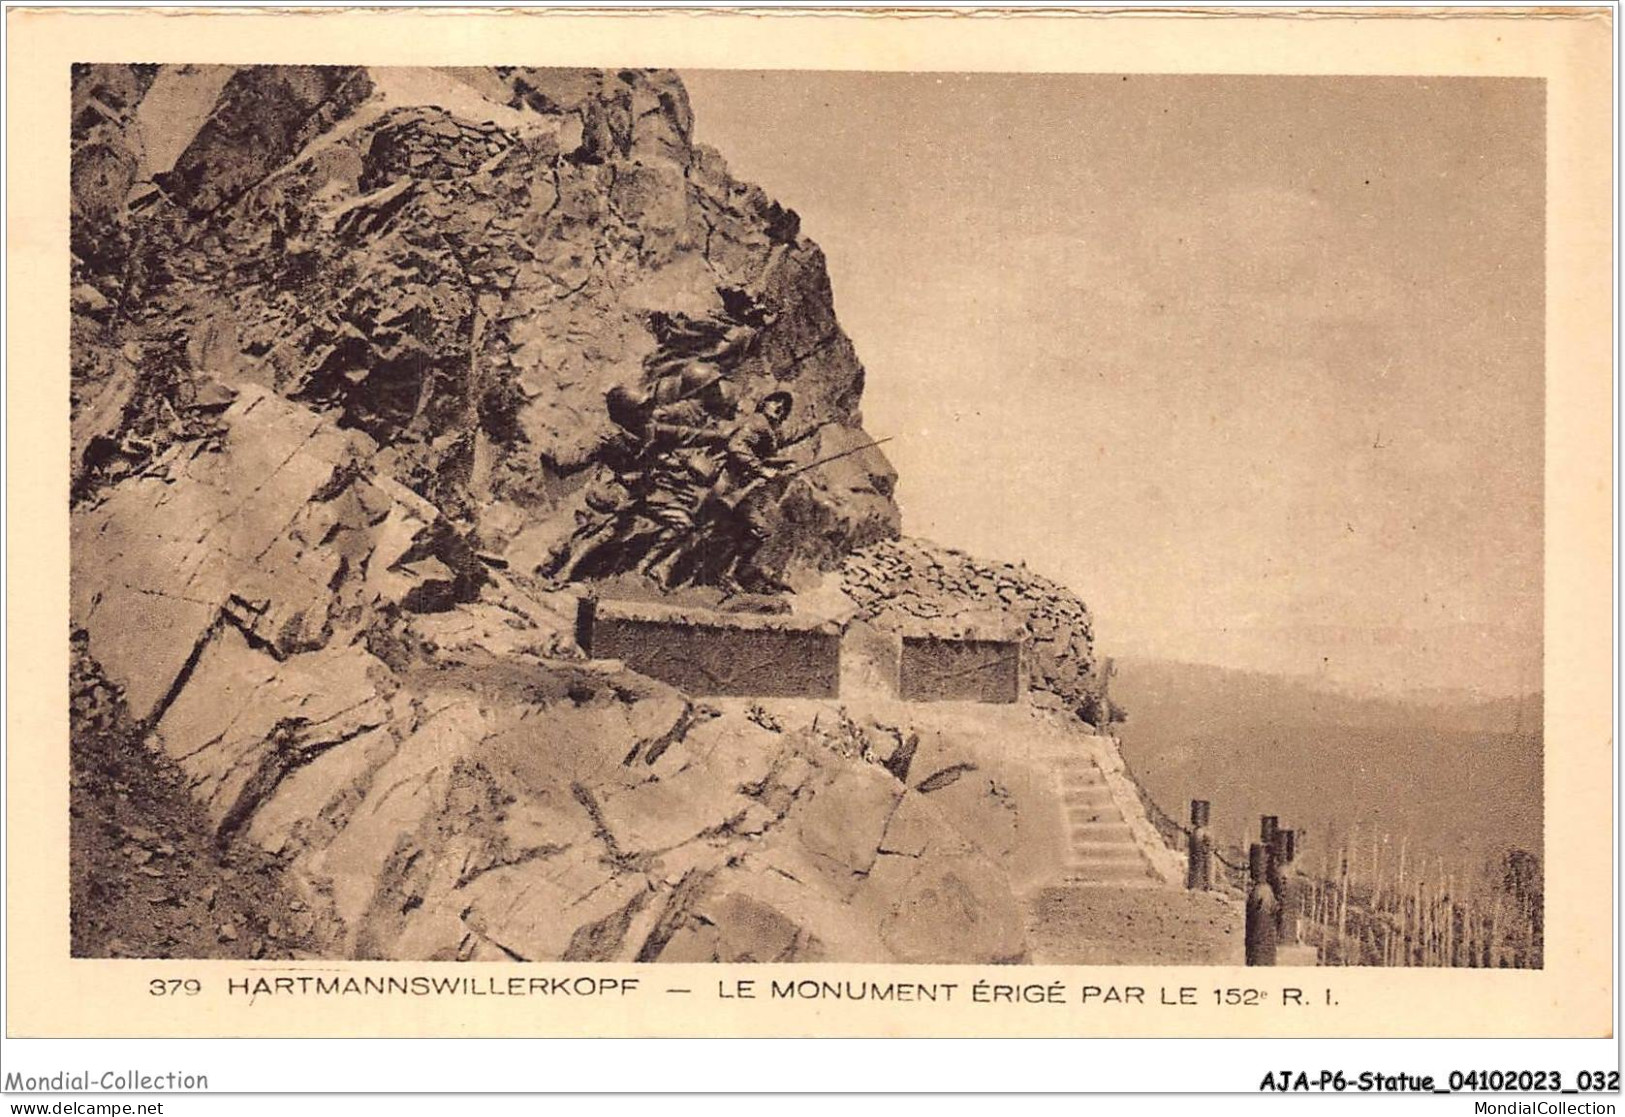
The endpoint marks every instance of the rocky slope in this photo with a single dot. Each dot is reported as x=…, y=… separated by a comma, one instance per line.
x=443, y=779
x=147, y=877
x=342, y=344
x=460, y=264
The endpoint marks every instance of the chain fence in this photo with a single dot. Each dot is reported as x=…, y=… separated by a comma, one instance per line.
x=1176, y=835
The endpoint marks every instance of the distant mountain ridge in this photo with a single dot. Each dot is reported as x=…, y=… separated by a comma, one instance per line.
x=1457, y=780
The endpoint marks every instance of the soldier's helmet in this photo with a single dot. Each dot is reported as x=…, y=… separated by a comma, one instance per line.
x=625, y=406
x=776, y=404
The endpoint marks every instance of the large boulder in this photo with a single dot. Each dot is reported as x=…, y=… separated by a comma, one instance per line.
x=264, y=114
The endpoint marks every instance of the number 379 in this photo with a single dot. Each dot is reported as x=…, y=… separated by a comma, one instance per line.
x=174, y=987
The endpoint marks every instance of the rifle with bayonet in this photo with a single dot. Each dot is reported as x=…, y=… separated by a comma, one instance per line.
x=747, y=488
x=837, y=457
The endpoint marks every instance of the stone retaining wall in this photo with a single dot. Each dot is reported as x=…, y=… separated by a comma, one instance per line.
x=933, y=669
x=904, y=584
x=701, y=652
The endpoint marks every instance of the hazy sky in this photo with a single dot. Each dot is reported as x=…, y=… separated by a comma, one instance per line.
x=1254, y=365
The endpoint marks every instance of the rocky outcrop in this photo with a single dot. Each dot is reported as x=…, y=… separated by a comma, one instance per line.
x=278, y=527
x=108, y=157
x=461, y=264
x=429, y=815
x=264, y=115
x=148, y=879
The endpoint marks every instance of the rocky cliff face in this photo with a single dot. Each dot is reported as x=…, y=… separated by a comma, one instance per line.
x=460, y=264
x=343, y=340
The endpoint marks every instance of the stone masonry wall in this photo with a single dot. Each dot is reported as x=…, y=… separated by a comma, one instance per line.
x=705, y=653
x=912, y=586
x=933, y=670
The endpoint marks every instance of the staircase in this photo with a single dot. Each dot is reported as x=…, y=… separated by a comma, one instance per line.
x=1118, y=896
x=1101, y=847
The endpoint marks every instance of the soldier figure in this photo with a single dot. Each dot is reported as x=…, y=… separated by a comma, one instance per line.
x=686, y=444
x=689, y=492
x=664, y=455
x=745, y=492
x=697, y=415
x=684, y=344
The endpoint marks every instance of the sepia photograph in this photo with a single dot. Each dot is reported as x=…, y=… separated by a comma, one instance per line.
x=526, y=514
x=534, y=533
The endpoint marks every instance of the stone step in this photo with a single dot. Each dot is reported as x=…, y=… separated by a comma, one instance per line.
x=1100, y=829
x=1084, y=850
x=1102, y=852
x=1075, y=880
x=1101, y=812
x=1087, y=796
x=1109, y=871
x=1085, y=777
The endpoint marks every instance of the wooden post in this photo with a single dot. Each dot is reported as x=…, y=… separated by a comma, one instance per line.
x=1376, y=871
x=1403, y=901
x=1269, y=836
x=1319, y=917
x=1261, y=910
x=1323, y=903
x=1431, y=905
x=1473, y=930
x=1450, y=921
x=1343, y=907
x=1287, y=888
x=1404, y=842
x=1351, y=854
x=1419, y=931
x=1274, y=867
x=1494, y=962
x=1199, y=866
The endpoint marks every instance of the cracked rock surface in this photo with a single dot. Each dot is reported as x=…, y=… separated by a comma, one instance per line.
x=460, y=263
x=341, y=343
